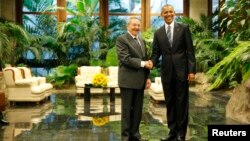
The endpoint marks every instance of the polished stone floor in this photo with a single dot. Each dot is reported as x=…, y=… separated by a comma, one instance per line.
x=66, y=117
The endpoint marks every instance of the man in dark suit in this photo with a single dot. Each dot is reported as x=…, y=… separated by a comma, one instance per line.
x=132, y=78
x=174, y=44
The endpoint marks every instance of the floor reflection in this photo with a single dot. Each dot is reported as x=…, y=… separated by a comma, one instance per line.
x=67, y=117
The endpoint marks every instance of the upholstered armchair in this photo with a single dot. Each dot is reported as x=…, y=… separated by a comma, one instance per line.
x=156, y=90
x=20, y=89
x=84, y=76
x=41, y=81
x=112, y=73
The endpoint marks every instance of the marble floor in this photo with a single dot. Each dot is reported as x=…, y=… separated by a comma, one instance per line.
x=67, y=117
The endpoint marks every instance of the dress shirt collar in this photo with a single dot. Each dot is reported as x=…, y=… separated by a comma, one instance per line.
x=133, y=35
x=171, y=25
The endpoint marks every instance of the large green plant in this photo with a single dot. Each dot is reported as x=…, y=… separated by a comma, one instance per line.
x=76, y=36
x=235, y=26
x=235, y=23
x=14, y=41
x=208, y=49
x=148, y=38
x=106, y=38
x=112, y=59
x=39, y=24
x=233, y=69
x=63, y=76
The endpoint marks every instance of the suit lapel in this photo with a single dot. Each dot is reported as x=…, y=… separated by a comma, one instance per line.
x=134, y=45
x=164, y=37
x=176, y=31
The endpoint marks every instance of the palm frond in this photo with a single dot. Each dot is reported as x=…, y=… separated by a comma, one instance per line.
x=231, y=67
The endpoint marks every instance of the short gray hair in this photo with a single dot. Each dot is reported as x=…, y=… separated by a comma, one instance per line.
x=132, y=18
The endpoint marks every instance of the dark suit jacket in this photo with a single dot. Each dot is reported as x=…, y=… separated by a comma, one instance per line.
x=179, y=58
x=131, y=74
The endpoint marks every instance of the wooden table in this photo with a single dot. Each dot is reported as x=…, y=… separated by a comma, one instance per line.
x=87, y=92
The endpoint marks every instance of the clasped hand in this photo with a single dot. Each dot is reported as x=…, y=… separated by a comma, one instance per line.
x=149, y=64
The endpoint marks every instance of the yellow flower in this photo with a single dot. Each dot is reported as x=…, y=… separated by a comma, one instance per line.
x=100, y=121
x=100, y=80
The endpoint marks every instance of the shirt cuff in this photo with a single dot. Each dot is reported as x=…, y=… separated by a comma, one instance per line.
x=143, y=64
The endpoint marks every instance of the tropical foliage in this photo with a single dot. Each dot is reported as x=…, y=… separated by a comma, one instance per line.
x=39, y=24
x=63, y=76
x=112, y=59
x=235, y=24
x=76, y=37
x=209, y=50
x=233, y=68
x=14, y=41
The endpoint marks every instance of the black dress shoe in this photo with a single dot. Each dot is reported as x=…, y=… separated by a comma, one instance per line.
x=4, y=122
x=169, y=138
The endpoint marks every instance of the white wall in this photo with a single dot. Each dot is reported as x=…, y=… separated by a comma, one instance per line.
x=197, y=7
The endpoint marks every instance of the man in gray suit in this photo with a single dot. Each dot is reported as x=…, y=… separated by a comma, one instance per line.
x=132, y=78
x=173, y=42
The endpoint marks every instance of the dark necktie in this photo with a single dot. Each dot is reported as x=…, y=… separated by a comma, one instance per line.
x=139, y=45
x=169, y=35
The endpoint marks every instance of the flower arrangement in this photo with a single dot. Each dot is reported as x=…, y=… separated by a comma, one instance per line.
x=100, y=80
x=100, y=121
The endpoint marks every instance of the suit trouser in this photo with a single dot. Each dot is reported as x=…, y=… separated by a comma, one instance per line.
x=177, y=103
x=132, y=104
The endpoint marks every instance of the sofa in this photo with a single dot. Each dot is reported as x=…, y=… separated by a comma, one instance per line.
x=85, y=76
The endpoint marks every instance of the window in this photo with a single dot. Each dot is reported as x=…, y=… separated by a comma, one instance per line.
x=40, y=18
x=120, y=10
x=35, y=20
x=30, y=13
x=156, y=5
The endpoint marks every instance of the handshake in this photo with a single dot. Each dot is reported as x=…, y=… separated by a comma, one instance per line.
x=149, y=64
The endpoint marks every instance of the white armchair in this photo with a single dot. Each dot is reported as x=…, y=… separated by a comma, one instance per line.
x=84, y=76
x=156, y=90
x=112, y=73
x=41, y=81
x=20, y=89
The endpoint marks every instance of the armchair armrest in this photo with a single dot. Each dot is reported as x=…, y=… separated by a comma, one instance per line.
x=31, y=82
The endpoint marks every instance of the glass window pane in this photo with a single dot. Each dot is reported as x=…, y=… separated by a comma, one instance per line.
x=156, y=5
x=37, y=5
x=215, y=5
x=124, y=6
x=97, y=8
x=120, y=27
x=40, y=24
x=156, y=22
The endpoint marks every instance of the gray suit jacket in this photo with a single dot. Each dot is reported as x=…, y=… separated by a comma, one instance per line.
x=179, y=58
x=131, y=74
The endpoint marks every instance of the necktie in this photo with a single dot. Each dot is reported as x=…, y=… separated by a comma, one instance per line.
x=139, y=45
x=169, y=35
x=137, y=41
